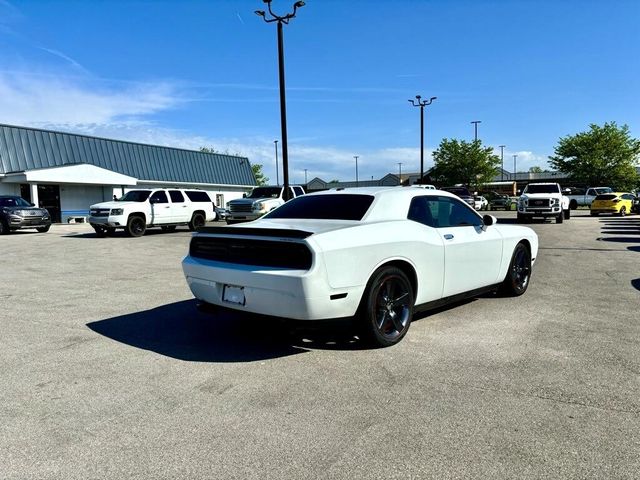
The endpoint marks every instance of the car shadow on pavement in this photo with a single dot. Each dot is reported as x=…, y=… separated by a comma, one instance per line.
x=636, y=283
x=179, y=330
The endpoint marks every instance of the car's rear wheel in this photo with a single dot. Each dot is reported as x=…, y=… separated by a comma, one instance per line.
x=136, y=226
x=386, y=308
x=519, y=273
x=623, y=211
x=197, y=221
x=43, y=229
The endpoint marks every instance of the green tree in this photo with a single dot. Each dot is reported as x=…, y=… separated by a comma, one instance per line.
x=469, y=163
x=261, y=179
x=535, y=169
x=603, y=155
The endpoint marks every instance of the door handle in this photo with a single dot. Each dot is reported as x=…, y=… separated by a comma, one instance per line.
x=448, y=236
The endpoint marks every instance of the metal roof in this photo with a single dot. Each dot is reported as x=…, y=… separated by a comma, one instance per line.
x=24, y=149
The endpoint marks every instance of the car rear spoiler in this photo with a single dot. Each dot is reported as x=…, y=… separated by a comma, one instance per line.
x=256, y=232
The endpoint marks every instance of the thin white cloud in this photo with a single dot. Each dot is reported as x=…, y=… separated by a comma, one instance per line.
x=32, y=100
x=66, y=58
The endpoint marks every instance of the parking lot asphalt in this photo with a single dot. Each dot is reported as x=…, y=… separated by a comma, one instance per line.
x=109, y=371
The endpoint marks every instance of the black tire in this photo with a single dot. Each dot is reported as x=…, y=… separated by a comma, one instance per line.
x=560, y=217
x=573, y=204
x=197, y=221
x=386, y=308
x=4, y=228
x=623, y=211
x=100, y=231
x=567, y=214
x=43, y=229
x=136, y=226
x=517, y=280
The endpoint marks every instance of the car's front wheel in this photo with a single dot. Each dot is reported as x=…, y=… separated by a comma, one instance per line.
x=519, y=273
x=43, y=229
x=560, y=217
x=136, y=226
x=387, y=307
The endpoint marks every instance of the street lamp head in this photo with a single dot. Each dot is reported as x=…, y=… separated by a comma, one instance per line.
x=432, y=99
x=260, y=13
x=418, y=97
x=266, y=1
x=299, y=4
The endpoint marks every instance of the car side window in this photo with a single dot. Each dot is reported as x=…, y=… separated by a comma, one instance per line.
x=159, y=197
x=627, y=196
x=298, y=191
x=452, y=212
x=176, y=196
x=421, y=210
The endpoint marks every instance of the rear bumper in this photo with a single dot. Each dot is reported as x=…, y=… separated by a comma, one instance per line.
x=293, y=294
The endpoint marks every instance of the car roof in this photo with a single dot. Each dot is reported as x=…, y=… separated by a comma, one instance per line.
x=390, y=203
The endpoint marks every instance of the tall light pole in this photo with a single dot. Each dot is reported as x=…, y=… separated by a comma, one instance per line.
x=277, y=178
x=283, y=107
x=475, y=126
x=421, y=103
x=515, y=175
x=502, y=160
x=400, y=171
x=356, y=157
x=305, y=177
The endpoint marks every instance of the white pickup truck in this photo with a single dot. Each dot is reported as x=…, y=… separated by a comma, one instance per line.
x=583, y=198
x=261, y=200
x=138, y=210
x=543, y=200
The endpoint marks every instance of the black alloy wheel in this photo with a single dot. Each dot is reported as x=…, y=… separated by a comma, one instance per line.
x=197, y=221
x=136, y=226
x=387, y=307
x=519, y=273
x=623, y=211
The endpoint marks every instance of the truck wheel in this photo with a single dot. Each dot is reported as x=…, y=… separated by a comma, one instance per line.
x=519, y=273
x=573, y=205
x=386, y=307
x=136, y=226
x=567, y=214
x=560, y=217
x=197, y=221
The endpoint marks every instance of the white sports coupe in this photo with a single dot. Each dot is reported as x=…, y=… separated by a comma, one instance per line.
x=376, y=255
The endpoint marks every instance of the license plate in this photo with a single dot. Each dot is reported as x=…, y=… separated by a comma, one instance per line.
x=233, y=294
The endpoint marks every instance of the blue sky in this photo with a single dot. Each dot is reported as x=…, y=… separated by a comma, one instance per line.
x=204, y=73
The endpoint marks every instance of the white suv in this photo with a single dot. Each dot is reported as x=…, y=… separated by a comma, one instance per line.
x=543, y=200
x=138, y=210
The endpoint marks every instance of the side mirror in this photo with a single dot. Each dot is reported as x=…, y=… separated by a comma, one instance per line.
x=32, y=204
x=488, y=220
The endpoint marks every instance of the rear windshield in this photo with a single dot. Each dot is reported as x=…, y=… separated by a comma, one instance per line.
x=265, y=192
x=541, y=189
x=602, y=190
x=608, y=196
x=325, y=207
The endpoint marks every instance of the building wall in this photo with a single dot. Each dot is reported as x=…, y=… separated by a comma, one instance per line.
x=76, y=199
x=9, y=189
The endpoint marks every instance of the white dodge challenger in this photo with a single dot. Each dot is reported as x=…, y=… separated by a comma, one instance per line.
x=376, y=255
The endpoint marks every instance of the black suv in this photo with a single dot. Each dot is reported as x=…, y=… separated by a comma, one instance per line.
x=17, y=213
